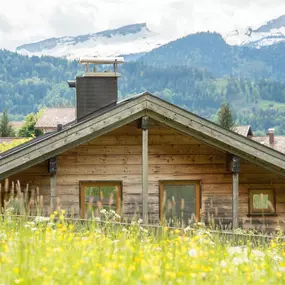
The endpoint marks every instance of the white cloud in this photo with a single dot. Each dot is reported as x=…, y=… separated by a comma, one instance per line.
x=35, y=20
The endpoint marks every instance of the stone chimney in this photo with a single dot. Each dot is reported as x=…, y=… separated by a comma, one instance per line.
x=270, y=134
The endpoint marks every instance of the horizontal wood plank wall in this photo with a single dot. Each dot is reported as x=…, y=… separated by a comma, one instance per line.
x=172, y=156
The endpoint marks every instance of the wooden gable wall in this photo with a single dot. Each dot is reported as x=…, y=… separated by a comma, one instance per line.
x=172, y=156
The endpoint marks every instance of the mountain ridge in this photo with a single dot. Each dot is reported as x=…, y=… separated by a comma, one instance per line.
x=266, y=34
x=129, y=39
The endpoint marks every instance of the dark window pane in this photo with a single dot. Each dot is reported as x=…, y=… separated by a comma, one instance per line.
x=180, y=203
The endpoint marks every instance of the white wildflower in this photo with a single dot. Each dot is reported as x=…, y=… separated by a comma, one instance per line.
x=103, y=211
x=33, y=229
x=140, y=221
x=124, y=230
x=97, y=219
x=40, y=219
x=258, y=254
x=193, y=252
x=235, y=250
x=3, y=236
x=187, y=229
x=143, y=230
x=240, y=260
x=117, y=216
x=223, y=264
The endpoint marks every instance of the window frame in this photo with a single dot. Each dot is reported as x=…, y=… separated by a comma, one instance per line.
x=100, y=183
x=198, y=188
x=251, y=211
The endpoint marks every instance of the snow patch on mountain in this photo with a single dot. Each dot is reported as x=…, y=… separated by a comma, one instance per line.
x=136, y=38
x=267, y=34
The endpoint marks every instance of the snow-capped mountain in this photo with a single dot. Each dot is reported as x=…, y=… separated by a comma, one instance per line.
x=136, y=38
x=270, y=33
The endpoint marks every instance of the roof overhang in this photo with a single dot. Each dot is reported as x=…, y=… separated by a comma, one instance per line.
x=126, y=112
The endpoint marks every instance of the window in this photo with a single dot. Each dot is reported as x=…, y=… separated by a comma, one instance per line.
x=261, y=202
x=97, y=195
x=179, y=201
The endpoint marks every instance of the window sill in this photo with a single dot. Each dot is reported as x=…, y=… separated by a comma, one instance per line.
x=263, y=215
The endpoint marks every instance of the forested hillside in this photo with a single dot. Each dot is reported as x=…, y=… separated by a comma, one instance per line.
x=210, y=51
x=197, y=72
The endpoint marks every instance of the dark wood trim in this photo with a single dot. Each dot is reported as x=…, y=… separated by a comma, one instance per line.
x=100, y=183
x=180, y=182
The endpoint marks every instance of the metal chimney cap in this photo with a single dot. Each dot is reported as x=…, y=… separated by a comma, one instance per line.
x=100, y=60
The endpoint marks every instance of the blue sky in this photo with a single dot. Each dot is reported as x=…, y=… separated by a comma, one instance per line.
x=25, y=21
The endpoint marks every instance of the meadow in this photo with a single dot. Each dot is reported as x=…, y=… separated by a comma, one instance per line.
x=55, y=250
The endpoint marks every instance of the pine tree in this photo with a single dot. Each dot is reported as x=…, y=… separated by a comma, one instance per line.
x=225, y=117
x=5, y=129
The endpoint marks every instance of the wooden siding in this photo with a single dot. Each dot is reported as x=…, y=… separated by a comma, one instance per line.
x=172, y=156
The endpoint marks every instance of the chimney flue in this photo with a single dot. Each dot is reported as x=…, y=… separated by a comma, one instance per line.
x=96, y=90
x=270, y=134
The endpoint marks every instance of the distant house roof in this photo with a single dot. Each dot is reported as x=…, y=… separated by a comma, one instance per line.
x=279, y=142
x=16, y=124
x=54, y=116
x=112, y=117
x=243, y=130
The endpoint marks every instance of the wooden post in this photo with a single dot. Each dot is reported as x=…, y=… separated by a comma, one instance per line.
x=235, y=171
x=52, y=192
x=144, y=127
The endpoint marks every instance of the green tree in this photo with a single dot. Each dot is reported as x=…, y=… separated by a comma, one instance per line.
x=225, y=117
x=6, y=130
x=28, y=129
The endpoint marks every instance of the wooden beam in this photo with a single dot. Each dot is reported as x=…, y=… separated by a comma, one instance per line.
x=52, y=192
x=69, y=138
x=255, y=153
x=145, y=168
x=235, y=167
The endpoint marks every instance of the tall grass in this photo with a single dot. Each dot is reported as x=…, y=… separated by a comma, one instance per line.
x=101, y=250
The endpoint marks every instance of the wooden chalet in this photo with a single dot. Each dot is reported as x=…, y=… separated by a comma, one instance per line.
x=144, y=156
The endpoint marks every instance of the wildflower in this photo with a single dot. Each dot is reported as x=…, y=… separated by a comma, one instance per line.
x=258, y=253
x=140, y=221
x=55, y=213
x=18, y=281
x=187, y=229
x=239, y=260
x=193, y=252
x=235, y=250
x=97, y=219
x=40, y=219
x=103, y=211
x=223, y=264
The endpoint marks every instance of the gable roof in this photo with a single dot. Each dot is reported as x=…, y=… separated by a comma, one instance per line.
x=53, y=116
x=243, y=130
x=110, y=118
